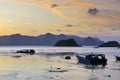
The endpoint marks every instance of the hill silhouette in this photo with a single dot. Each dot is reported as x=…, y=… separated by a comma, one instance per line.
x=110, y=44
x=68, y=42
x=47, y=39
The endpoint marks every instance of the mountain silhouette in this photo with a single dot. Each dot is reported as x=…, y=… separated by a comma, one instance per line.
x=47, y=39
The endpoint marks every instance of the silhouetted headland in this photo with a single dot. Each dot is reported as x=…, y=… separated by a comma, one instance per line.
x=110, y=44
x=69, y=43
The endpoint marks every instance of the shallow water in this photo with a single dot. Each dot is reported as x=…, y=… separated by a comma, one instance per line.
x=42, y=66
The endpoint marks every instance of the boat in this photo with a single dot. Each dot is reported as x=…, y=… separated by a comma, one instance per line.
x=27, y=51
x=92, y=59
x=117, y=58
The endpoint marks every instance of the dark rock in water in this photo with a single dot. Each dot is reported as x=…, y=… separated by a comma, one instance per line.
x=67, y=57
x=110, y=44
x=16, y=56
x=93, y=11
x=109, y=75
x=69, y=43
x=58, y=68
x=27, y=51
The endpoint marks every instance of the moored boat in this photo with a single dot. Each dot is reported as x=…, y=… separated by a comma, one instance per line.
x=92, y=59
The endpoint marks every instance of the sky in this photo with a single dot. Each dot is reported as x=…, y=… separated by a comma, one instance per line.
x=35, y=17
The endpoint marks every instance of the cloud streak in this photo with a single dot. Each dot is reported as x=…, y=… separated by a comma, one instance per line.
x=46, y=4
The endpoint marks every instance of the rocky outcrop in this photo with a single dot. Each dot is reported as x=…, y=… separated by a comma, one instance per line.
x=110, y=44
x=69, y=43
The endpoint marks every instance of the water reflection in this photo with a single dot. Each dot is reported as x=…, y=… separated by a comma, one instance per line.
x=38, y=67
x=93, y=78
x=91, y=67
x=101, y=66
x=59, y=54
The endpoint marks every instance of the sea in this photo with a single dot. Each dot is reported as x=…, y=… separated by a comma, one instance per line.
x=49, y=63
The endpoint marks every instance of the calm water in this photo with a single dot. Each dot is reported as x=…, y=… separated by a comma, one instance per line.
x=46, y=59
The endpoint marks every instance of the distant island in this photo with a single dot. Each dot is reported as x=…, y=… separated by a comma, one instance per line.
x=110, y=44
x=67, y=43
x=47, y=39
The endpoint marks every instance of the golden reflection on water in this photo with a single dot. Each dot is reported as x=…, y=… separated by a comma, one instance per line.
x=28, y=63
x=36, y=67
x=25, y=62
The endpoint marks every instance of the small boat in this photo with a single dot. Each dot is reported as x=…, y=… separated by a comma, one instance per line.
x=27, y=51
x=117, y=58
x=92, y=59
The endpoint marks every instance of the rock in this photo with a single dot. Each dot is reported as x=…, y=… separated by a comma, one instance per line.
x=110, y=44
x=67, y=57
x=17, y=56
x=69, y=43
x=27, y=51
x=109, y=75
x=58, y=68
x=93, y=11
